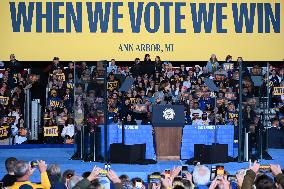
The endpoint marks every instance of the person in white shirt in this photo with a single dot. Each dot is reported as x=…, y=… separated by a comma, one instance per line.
x=15, y=113
x=22, y=133
x=68, y=130
x=195, y=110
x=187, y=82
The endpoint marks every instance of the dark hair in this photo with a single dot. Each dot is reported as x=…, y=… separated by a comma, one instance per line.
x=179, y=187
x=159, y=59
x=146, y=55
x=124, y=178
x=211, y=60
x=69, y=121
x=228, y=57
x=67, y=174
x=10, y=163
x=136, y=179
x=187, y=183
x=86, y=174
x=264, y=182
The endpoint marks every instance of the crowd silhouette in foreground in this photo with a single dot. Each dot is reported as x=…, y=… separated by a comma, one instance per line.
x=255, y=176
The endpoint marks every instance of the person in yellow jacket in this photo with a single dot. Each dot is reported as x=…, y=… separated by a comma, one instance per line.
x=23, y=171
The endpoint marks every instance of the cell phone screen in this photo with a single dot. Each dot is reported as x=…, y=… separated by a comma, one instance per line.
x=183, y=172
x=264, y=169
x=232, y=178
x=220, y=170
x=103, y=173
x=167, y=172
x=154, y=178
x=138, y=185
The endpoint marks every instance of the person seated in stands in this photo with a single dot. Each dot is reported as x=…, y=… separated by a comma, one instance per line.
x=112, y=67
x=22, y=134
x=23, y=171
x=9, y=178
x=196, y=119
x=54, y=100
x=205, y=119
x=220, y=71
x=115, y=120
x=263, y=181
x=129, y=120
x=195, y=110
x=201, y=176
x=146, y=119
x=68, y=130
x=54, y=175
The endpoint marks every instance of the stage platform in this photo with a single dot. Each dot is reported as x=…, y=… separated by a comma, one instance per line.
x=60, y=154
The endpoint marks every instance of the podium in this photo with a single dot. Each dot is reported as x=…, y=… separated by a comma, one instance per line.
x=168, y=121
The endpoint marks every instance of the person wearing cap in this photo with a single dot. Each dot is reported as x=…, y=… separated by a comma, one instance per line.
x=23, y=171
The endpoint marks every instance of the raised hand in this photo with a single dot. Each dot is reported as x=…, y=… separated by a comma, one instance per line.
x=41, y=166
x=254, y=167
x=224, y=181
x=275, y=169
x=167, y=182
x=175, y=172
x=94, y=174
x=214, y=183
x=188, y=177
x=111, y=175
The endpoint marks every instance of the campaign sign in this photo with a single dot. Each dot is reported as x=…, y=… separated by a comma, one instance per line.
x=278, y=91
x=4, y=100
x=4, y=132
x=133, y=28
x=112, y=85
x=168, y=116
x=51, y=131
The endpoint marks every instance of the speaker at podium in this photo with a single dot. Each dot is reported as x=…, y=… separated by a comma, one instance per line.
x=168, y=121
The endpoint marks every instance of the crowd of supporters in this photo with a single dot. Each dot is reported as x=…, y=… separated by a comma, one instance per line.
x=13, y=83
x=158, y=82
x=256, y=176
x=155, y=82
